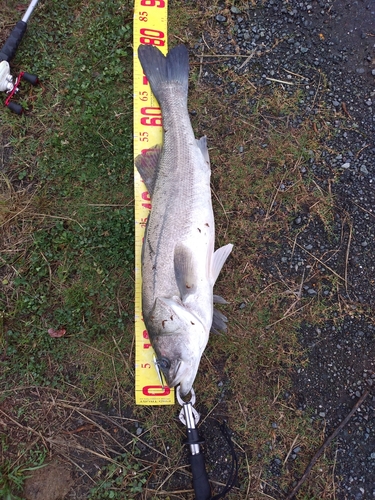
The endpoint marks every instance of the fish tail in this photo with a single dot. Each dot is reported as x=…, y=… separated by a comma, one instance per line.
x=165, y=71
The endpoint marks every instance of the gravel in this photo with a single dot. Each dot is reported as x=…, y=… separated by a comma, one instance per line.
x=328, y=48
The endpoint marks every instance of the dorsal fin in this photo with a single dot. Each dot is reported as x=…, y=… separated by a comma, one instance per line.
x=146, y=164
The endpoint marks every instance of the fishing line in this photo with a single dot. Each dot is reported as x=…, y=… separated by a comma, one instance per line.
x=233, y=475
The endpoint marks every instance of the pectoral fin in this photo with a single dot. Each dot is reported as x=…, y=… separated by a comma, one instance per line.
x=146, y=164
x=163, y=319
x=184, y=271
x=219, y=258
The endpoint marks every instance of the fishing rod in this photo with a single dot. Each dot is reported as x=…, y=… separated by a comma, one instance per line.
x=7, y=52
x=9, y=49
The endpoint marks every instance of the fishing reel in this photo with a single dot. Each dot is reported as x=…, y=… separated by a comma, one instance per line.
x=11, y=88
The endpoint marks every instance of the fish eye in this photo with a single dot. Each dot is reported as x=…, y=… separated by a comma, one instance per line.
x=164, y=363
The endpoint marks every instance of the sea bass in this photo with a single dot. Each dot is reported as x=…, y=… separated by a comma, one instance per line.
x=179, y=265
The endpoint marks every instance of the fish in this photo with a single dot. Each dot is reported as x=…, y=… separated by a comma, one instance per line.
x=179, y=264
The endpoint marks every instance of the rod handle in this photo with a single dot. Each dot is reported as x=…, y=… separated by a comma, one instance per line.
x=9, y=49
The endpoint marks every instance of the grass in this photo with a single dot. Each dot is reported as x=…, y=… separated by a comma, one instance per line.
x=66, y=231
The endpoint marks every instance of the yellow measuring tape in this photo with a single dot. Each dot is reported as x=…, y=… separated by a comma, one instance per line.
x=150, y=28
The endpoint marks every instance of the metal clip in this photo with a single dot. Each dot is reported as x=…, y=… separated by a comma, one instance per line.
x=159, y=372
x=190, y=417
x=188, y=414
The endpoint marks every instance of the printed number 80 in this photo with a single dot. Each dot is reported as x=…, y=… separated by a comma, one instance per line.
x=152, y=37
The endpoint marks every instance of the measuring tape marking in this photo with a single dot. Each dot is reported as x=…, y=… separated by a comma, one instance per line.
x=150, y=28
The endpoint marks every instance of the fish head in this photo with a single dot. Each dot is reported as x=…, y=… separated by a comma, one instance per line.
x=179, y=339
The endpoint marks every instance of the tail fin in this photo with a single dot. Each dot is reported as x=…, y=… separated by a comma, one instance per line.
x=161, y=69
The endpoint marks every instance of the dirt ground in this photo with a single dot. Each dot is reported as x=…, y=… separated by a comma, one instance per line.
x=341, y=359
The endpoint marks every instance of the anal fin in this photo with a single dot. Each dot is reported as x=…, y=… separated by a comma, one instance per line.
x=219, y=258
x=202, y=145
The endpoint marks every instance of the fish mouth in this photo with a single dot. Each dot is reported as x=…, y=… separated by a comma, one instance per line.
x=185, y=387
x=175, y=371
x=183, y=375
x=173, y=379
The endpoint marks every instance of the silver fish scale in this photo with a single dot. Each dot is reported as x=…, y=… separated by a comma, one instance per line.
x=180, y=204
x=179, y=266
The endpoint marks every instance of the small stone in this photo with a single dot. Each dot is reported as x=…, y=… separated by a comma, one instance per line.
x=346, y=165
x=311, y=291
x=220, y=18
x=139, y=431
x=364, y=170
x=373, y=72
x=368, y=102
x=235, y=10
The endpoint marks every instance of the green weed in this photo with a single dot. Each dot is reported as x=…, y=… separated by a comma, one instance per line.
x=121, y=480
x=13, y=475
x=76, y=236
